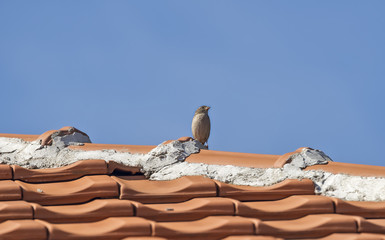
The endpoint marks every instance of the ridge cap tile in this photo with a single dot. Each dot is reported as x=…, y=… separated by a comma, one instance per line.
x=354, y=236
x=74, y=191
x=134, y=149
x=251, y=237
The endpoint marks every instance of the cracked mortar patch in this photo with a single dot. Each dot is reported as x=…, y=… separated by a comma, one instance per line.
x=166, y=162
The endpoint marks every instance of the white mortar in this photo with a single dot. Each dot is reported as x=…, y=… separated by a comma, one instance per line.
x=166, y=162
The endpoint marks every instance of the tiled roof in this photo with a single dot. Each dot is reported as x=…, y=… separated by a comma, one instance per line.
x=99, y=199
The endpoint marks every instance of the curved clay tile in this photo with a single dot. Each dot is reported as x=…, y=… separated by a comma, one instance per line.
x=15, y=210
x=208, y=228
x=282, y=160
x=95, y=210
x=110, y=228
x=70, y=172
x=250, y=237
x=193, y=209
x=177, y=190
x=371, y=225
x=76, y=191
x=23, y=230
x=363, y=209
x=288, y=208
x=5, y=172
x=47, y=137
x=354, y=236
x=9, y=190
x=310, y=226
x=278, y=191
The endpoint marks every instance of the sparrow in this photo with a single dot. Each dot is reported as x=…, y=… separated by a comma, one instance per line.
x=201, y=124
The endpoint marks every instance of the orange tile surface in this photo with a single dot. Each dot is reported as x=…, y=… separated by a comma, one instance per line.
x=94, y=199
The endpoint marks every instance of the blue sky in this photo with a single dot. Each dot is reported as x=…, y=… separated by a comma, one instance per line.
x=278, y=74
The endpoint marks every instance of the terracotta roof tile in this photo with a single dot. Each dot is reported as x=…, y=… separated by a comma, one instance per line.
x=95, y=210
x=193, y=209
x=207, y=228
x=278, y=191
x=9, y=190
x=363, y=209
x=351, y=169
x=354, y=236
x=25, y=137
x=310, y=226
x=110, y=228
x=76, y=191
x=5, y=172
x=252, y=237
x=288, y=208
x=15, y=210
x=23, y=230
x=178, y=190
x=70, y=172
x=232, y=158
x=98, y=199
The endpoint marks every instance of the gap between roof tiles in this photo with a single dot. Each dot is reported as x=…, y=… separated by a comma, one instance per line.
x=166, y=162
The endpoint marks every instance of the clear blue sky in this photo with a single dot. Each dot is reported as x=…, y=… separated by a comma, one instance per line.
x=278, y=74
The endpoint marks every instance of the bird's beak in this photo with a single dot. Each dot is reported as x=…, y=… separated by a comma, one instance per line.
x=207, y=108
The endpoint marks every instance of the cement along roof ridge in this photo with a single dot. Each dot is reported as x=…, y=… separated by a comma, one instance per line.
x=59, y=185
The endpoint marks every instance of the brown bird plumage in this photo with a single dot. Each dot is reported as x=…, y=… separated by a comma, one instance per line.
x=201, y=124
